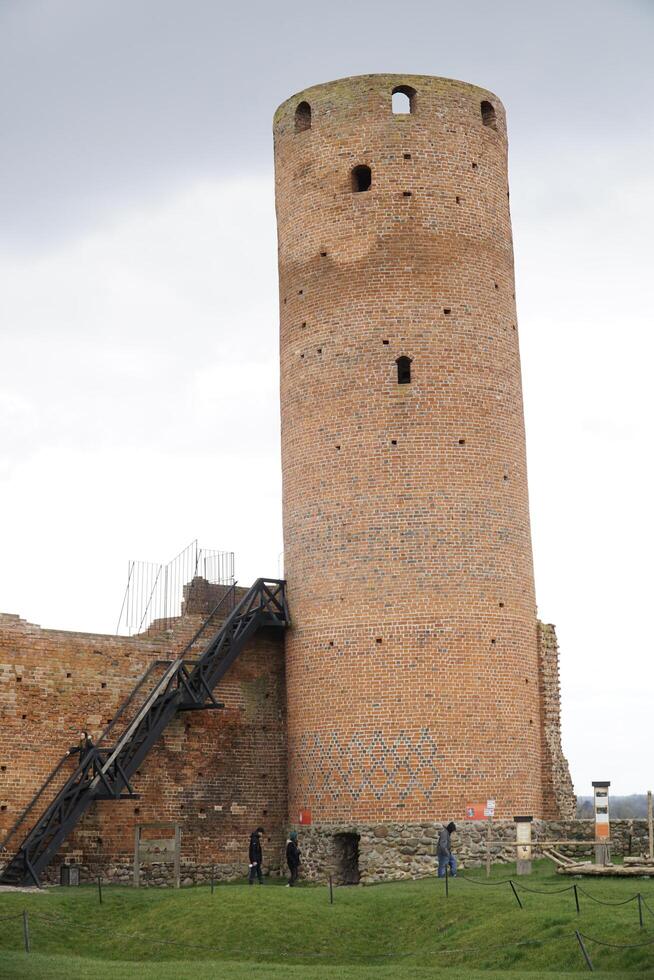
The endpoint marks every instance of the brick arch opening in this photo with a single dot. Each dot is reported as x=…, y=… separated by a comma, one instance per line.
x=488, y=116
x=403, y=370
x=403, y=100
x=302, y=117
x=361, y=178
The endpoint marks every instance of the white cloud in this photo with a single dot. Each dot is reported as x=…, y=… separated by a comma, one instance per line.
x=139, y=378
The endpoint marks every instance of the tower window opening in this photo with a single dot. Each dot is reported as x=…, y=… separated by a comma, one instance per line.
x=403, y=100
x=488, y=115
x=361, y=179
x=302, y=117
x=403, y=370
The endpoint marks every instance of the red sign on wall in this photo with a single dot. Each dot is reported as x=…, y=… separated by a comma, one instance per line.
x=480, y=811
x=305, y=817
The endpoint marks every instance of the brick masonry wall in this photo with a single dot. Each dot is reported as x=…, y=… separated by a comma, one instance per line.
x=559, y=794
x=218, y=773
x=412, y=664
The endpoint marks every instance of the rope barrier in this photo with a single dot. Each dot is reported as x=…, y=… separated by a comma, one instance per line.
x=600, y=942
x=536, y=891
x=478, y=881
x=54, y=922
x=599, y=901
x=553, y=891
x=644, y=901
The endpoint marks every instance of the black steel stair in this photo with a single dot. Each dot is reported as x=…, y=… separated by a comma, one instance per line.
x=103, y=772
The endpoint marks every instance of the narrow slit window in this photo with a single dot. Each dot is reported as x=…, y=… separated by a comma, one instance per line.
x=302, y=117
x=403, y=370
x=488, y=115
x=403, y=100
x=361, y=179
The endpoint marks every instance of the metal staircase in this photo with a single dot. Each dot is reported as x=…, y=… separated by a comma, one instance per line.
x=103, y=772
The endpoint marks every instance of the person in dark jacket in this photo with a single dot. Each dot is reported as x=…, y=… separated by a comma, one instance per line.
x=444, y=851
x=256, y=856
x=292, y=857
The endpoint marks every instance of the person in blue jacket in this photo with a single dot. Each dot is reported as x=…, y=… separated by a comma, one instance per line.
x=444, y=850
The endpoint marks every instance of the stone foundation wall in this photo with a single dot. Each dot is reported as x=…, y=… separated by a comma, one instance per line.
x=392, y=852
x=386, y=852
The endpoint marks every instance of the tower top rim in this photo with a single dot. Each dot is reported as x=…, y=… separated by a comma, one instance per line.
x=393, y=79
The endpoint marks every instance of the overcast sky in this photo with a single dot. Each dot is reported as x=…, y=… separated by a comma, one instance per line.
x=138, y=300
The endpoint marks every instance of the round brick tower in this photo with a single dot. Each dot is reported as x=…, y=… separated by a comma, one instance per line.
x=412, y=662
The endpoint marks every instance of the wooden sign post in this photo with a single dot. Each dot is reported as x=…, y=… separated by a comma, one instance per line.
x=164, y=848
x=601, y=799
x=523, y=840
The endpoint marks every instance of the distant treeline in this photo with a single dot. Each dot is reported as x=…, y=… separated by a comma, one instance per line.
x=619, y=806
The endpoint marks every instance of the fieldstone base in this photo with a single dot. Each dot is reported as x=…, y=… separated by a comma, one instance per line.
x=369, y=853
x=159, y=875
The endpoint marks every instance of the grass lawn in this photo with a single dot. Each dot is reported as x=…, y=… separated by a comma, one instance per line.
x=406, y=929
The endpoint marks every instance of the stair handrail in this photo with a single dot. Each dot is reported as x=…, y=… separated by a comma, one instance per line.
x=128, y=700
x=32, y=803
x=136, y=721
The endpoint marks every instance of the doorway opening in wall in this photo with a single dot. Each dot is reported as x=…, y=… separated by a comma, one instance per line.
x=346, y=853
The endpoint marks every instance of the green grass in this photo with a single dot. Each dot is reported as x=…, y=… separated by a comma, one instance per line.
x=402, y=930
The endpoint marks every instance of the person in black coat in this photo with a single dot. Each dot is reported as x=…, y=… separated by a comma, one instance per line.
x=256, y=856
x=292, y=857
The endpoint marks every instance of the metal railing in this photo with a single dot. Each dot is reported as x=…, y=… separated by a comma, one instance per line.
x=157, y=593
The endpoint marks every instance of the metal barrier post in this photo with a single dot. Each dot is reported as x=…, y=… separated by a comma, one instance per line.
x=100, y=889
x=517, y=897
x=574, y=888
x=331, y=891
x=640, y=909
x=584, y=951
x=213, y=869
x=26, y=931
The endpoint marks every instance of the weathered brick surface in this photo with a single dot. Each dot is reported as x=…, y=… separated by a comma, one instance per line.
x=560, y=799
x=412, y=665
x=218, y=773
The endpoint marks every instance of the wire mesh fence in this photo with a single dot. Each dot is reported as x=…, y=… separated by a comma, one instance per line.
x=158, y=593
